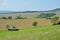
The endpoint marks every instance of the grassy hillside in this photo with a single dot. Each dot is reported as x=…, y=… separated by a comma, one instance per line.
x=23, y=23
x=43, y=31
x=38, y=33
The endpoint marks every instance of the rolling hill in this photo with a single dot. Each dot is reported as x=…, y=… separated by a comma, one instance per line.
x=9, y=11
x=29, y=14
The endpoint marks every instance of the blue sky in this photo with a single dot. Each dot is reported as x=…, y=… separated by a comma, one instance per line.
x=29, y=5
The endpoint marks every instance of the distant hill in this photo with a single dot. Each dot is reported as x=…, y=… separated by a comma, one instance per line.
x=54, y=10
x=58, y=9
x=28, y=14
x=5, y=11
x=12, y=12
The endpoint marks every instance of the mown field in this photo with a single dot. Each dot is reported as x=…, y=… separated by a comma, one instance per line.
x=24, y=23
x=49, y=32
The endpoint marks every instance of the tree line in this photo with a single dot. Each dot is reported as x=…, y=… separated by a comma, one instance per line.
x=46, y=15
x=10, y=17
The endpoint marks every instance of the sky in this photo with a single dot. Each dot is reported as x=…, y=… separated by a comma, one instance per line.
x=29, y=5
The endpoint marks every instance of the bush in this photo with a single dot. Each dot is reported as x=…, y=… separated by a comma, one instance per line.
x=3, y=18
x=34, y=24
x=10, y=17
x=7, y=26
x=19, y=17
x=54, y=20
x=58, y=23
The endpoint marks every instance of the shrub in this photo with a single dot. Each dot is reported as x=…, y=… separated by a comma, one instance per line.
x=7, y=26
x=54, y=20
x=3, y=18
x=34, y=24
x=58, y=23
x=10, y=17
x=19, y=17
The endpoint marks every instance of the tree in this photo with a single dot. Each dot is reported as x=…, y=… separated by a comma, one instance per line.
x=34, y=24
x=46, y=15
x=10, y=17
x=18, y=17
x=54, y=20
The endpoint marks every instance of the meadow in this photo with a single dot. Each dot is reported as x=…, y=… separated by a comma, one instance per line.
x=49, y=32
x=43, y=31
x=24, y=23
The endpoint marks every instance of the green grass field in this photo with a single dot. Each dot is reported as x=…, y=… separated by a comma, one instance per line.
x=39, y=33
